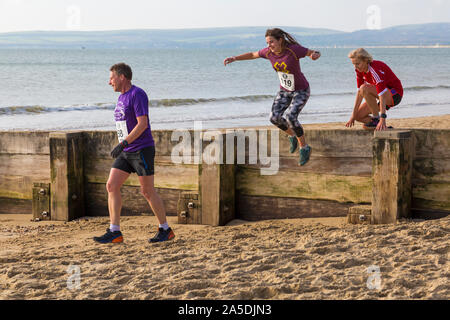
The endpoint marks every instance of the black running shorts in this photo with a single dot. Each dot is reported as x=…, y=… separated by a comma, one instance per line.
x=141, y=162
x=396, y=97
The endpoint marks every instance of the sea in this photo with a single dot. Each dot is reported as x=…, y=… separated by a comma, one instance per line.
x=67, y=89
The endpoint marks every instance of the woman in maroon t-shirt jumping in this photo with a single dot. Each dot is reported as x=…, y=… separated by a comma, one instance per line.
x=284, y=53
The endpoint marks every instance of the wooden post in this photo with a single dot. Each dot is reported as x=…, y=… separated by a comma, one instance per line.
x=217, y=187
x=217, y=193
x=66, y=166
x=393, y=153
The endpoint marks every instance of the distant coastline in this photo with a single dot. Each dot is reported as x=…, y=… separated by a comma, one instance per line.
x=432, y=35
x=390, y=47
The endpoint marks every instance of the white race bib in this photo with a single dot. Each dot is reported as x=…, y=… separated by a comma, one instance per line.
x=122, y=130
x=287, y=81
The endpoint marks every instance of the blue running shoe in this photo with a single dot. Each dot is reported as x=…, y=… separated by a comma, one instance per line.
x=305, y=153
x=110, y=237
x=372, y=125
x=294, y=144
x=163, y=235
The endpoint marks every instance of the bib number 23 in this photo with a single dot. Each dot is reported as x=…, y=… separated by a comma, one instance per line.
x=287, y=81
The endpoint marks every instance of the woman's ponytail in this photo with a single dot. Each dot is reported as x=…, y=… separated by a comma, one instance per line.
x=278, y=34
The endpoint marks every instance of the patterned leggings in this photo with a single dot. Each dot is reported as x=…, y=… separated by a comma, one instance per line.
x=294, y=102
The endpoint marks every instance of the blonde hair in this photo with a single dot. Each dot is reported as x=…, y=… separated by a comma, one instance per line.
x=361, y=54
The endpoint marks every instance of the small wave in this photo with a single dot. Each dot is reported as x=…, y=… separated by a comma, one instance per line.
x=414, y=88
x=212, y=118
x=13, y=110
x=423, y=104
x=424, y=88
x=184, y=102
x=334, y=94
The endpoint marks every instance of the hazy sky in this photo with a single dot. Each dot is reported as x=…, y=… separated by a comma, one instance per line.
x=345, y=15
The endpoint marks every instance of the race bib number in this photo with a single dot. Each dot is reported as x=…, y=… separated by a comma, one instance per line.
x=287, y=81
x=122, y=130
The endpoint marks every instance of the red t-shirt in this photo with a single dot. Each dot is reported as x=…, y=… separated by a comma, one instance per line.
x=381, y=76
x=288, y=66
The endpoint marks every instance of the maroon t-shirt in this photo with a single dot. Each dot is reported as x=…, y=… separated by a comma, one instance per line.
x=287, y=65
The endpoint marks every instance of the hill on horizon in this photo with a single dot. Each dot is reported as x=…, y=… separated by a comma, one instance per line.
x=233, y=37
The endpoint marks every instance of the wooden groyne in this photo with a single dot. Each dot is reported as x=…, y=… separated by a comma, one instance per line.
x=63, y=175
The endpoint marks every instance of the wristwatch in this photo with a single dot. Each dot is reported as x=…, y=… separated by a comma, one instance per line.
x=383, y=115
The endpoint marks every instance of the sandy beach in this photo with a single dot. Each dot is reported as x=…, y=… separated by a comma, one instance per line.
x=295, y=259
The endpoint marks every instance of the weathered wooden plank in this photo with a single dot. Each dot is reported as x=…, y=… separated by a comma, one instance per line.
x=307, y=185
x=15, y=206
x=19, y=187
x=254, y=208
x=134, y=202
x=335, y=166
x=432, y=143
x=100, y=143
x=167, y=175
x=429, y=214
x=363, y=209
x=28, y=142
x=26, y=165
x=325, y=143
x=431, y=170
x=431, y=196
x=334, y=143
x=163, y=143
x=431, y=174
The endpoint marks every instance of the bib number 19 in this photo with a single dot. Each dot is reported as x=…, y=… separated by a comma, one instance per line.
x=287, y=81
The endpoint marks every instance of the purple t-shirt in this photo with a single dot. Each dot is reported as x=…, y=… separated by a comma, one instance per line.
x=130, y=105
x=287, y=65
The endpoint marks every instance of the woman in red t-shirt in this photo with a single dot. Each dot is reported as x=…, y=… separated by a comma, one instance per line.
x=378, y=86
x=284, y=53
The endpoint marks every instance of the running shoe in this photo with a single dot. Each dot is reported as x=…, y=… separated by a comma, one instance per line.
x=163, y=235
x=110, y=237
x=372, y=125
x=304, y=155
x=294, y=144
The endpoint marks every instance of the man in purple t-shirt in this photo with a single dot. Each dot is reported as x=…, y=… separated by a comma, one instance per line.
x=284, y=54
x=134, y=153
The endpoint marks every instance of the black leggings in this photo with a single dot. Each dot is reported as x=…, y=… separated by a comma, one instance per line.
x=295, y=101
